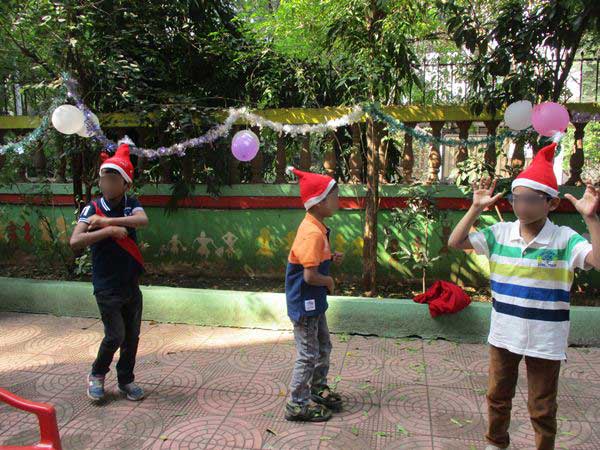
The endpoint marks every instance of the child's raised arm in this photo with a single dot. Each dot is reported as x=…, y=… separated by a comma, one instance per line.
x=587, y=206
x=482, y=198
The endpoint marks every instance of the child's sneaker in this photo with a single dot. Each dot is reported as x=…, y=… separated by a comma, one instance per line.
x=95, y=389
x=323, y=395
x=133, y=392
x=306, y=413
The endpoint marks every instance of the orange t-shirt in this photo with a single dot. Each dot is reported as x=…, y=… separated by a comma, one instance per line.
x=311, y=245
x=310, y=249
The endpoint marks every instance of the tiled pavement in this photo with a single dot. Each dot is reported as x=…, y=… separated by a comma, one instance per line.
x=222, y=388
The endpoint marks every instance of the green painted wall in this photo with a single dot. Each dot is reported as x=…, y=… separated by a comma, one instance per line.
x=249, y=243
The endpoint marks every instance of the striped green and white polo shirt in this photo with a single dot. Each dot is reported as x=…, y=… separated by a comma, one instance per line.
x=531, y=285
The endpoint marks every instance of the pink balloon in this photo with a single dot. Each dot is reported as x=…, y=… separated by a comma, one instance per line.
x=549, y=118
x=244, y=145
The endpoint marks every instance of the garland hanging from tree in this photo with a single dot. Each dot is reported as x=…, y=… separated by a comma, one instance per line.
x=94, y=130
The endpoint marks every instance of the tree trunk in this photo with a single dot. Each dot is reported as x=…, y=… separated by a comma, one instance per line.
x=374, y=23
x=577, y=158
x=584, y=19
x=491, y=158
x=371, y=207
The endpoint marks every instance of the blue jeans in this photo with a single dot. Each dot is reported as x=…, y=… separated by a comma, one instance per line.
x=313, y=347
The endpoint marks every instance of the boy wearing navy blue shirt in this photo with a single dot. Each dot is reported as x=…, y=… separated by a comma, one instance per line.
x=307, y=283
x=107, y=225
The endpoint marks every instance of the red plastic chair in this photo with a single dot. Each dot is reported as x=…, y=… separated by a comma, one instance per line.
x=46, y=414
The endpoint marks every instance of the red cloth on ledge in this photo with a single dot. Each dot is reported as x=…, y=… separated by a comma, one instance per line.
x=444, y=298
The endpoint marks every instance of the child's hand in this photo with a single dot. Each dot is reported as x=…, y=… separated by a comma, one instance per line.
x=482, y=194
x=330, y=286
x=118, y=232
x=587, y=205
x=338, y=257
x=97, y=221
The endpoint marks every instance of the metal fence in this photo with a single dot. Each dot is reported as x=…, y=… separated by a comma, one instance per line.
x=441, y=83
x=447, y=82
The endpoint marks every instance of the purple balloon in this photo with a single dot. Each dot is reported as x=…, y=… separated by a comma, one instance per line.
x=244, y=145
x=549, y=118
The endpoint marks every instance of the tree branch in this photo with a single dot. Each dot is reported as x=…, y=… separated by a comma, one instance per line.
x=28, y=53
x=586, y=15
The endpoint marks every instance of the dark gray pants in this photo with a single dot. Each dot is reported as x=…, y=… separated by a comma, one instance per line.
x=313, y=347
x=121, y=313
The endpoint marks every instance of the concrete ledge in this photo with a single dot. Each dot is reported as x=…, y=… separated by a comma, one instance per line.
x=381, y=317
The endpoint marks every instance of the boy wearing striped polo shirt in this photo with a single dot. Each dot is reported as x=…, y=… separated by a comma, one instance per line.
x=532, y=263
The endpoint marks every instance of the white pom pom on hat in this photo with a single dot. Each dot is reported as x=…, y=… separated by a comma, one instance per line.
x=126, y=140
x=121, y=161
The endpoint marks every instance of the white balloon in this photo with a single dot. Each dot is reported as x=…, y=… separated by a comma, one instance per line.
x=67, y=119
x=518, y=115
x=83, y=132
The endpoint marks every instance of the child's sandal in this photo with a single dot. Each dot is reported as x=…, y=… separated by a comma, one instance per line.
x=307, y=413
x=323, y=395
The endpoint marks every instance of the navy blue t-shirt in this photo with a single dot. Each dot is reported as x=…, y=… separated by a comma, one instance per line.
x=112, y=267
x=310, y=249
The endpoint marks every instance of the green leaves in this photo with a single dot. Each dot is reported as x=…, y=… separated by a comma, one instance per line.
x=460, y=422
x=335, y=382
x=382, y=434
x=514, y=39
x=401, y=430
x=419, y=216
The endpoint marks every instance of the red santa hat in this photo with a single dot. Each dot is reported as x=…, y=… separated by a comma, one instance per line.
x=444, y=297
x=120, y=161
x=314, y=187
x=540, y=173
